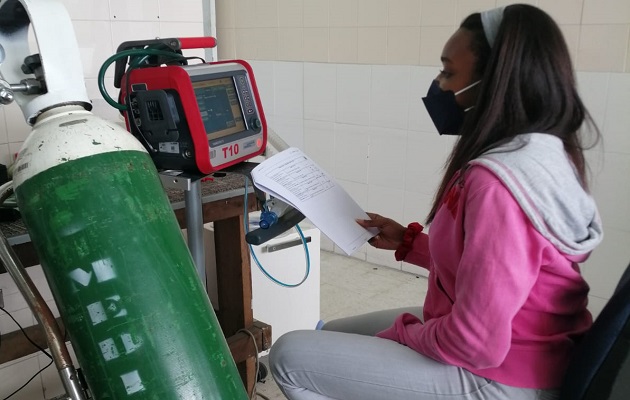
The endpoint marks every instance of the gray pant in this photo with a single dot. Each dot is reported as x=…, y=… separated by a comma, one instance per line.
x=344, y=361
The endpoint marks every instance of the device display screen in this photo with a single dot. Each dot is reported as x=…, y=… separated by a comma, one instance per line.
x=219, y=107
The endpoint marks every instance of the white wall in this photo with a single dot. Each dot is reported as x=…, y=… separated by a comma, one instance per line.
x=343, y=80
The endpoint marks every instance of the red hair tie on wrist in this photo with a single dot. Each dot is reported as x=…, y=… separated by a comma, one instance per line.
x=413, y=229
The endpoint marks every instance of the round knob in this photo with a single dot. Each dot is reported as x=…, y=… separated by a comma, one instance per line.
x=6, y=96
x=255, y=123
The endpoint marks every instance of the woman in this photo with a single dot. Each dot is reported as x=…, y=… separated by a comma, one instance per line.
x=510, y=222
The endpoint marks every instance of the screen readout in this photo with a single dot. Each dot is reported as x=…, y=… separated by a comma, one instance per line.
x=219, y=107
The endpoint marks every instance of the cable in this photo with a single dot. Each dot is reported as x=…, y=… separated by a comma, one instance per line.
x=254, y=392
x=29, y=381
x=276, y=281
x=262, y=269
x=124, y=54
x=251, y=335
x=24, y=332
x=34, y=344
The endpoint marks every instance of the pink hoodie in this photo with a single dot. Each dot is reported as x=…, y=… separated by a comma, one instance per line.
x=503, y=302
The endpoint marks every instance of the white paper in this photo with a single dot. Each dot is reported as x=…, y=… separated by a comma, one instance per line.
x=294, y=178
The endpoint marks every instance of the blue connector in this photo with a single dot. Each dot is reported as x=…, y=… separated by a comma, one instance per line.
x=267, y=218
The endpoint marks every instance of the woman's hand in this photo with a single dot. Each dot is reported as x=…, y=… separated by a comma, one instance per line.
x=390, y=235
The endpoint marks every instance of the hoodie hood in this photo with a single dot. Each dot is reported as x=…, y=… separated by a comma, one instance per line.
x=542, y=179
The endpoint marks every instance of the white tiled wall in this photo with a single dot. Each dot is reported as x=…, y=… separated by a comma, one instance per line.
x=403, y=32
x=365, y=66
x=100, y=26
x=352, y=136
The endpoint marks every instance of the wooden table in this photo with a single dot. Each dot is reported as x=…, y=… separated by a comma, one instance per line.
x=223, y=204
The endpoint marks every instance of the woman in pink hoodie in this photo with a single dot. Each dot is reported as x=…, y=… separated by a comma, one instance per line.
x=510, y=222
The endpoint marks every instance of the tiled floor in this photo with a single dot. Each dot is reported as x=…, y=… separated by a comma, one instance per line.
x=349, y=287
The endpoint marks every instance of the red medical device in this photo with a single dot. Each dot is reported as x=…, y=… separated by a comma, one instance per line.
x=197, y=118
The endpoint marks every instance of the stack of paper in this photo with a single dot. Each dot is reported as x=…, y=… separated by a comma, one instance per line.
x=294, y=178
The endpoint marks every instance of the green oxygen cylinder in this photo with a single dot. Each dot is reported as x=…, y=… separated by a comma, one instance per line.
x=139, y=320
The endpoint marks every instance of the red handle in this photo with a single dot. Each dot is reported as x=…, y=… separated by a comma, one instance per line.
x=198, y=42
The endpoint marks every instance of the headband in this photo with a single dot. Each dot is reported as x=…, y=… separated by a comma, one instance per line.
x=491, y=20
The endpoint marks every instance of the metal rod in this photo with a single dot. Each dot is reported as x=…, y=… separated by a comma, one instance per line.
x=40, y=309
x=194, y=228
x=71, y=383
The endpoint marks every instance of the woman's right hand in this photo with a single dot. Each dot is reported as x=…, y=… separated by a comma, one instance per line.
x=391, y=232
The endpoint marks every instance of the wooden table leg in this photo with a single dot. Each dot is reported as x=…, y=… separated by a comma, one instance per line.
x=234, y=282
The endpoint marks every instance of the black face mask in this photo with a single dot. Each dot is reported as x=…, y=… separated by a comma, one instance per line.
x=446, y=114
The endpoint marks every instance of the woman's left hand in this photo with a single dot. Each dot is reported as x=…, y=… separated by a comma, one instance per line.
x=391, y=232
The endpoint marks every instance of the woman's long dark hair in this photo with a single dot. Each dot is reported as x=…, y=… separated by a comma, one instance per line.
x=527, y=85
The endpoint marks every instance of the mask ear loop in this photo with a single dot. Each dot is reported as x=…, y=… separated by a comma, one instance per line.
x=468, y=87
x=465, y=89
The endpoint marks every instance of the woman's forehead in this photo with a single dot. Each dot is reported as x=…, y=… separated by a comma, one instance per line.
x=458, y=49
